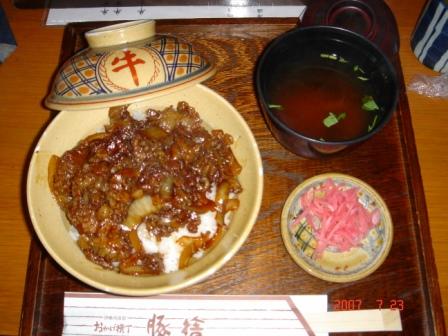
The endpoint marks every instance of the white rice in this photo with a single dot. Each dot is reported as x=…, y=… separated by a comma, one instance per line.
x=73, y=233
x=168, y=246
x=211, y=195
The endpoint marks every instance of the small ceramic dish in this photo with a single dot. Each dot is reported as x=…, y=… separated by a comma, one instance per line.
x=332, y=264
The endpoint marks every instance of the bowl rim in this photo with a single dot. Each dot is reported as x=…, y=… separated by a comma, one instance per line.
x=342, y=278
x=169, y=287
x=332, y=29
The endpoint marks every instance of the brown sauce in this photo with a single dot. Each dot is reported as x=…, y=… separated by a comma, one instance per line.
x=170, y=157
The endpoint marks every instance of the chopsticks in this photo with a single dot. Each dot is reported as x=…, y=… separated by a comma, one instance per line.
x=355, y=320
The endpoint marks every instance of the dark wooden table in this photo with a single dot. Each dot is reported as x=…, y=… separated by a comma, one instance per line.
x=388, y=162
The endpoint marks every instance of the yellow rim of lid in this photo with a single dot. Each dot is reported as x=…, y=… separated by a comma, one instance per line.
x=121, y=33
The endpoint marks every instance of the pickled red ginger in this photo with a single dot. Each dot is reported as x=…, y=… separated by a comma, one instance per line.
x=336, y=216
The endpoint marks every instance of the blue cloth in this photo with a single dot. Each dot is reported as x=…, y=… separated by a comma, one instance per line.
x=7, y=41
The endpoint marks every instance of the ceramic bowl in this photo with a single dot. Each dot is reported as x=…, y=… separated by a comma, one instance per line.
x=333, y=265
x=357, y=62
x=129, y=64
x=52, y=227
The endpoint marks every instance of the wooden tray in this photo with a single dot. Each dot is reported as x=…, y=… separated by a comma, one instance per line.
x=408, y=278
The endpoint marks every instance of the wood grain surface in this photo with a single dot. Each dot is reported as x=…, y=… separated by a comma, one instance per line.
x=24, y=80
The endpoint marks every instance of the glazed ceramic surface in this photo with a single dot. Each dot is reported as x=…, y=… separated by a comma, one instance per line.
x=52, y=227
x=126, y=63
x=336, y=266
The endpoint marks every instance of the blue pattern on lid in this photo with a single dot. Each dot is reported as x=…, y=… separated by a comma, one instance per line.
x=81, y=76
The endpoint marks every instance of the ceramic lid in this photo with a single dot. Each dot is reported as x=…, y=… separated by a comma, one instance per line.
x=126, y=63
